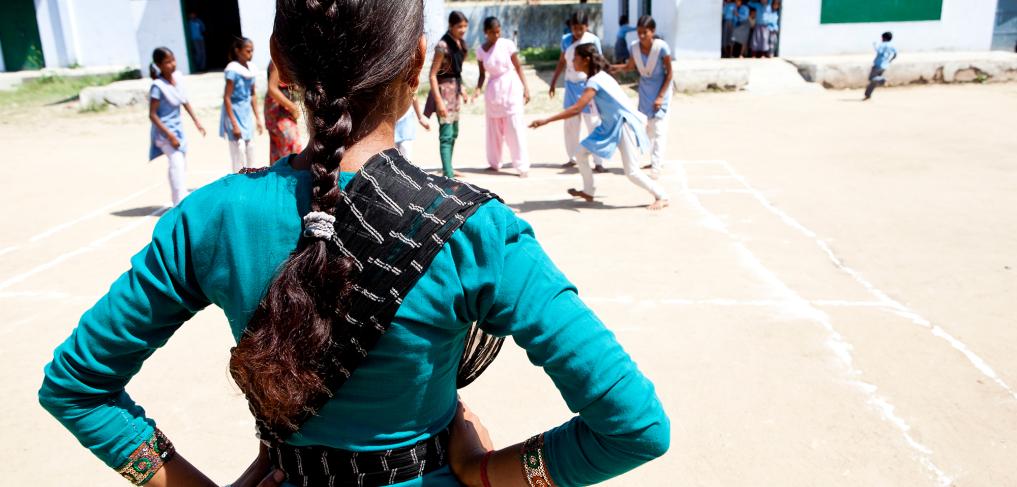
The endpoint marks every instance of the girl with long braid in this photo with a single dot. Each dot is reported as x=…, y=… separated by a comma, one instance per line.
x=622, y=127
x=361, y=292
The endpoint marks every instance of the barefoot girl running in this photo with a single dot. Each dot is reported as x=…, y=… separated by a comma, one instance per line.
x=621, y=126
x=355, y=285
x=165, y=99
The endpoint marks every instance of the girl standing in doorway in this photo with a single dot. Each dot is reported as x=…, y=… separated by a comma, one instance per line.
x=504, y=98
x=281, y=115
x=447, y=87
x=652, y=58
x=165, y=99
x=239, y=114
x=621, y=127
x=575, y=80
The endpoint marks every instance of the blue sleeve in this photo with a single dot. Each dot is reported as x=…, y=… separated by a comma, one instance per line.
x=566, y=41
x=665, y=51
x=83, y=386
x=621, y=423
x=232, y=76
x=155, y=93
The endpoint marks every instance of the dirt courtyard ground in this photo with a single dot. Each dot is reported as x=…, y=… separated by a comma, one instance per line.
x=830, y=300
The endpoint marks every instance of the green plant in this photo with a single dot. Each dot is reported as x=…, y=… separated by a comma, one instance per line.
x=51, y=89
x=536, y=54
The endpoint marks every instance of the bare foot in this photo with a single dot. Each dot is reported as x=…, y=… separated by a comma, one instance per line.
x=491, y=169
x=524, y=174
x=599, y=169
x=659, y=205
x=568, y=164
x=580, y=194
x=457, y=174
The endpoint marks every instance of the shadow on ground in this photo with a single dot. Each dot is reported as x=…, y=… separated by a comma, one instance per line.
x=139, y=211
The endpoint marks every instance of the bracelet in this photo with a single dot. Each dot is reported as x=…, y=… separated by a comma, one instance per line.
x=486, y=482
x=534, y=467
x=147, y=459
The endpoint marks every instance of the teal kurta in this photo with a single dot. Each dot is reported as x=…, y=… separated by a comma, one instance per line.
x=223, y=244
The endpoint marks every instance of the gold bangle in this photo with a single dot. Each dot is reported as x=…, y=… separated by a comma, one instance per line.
x=534, y=466
x=147, y=459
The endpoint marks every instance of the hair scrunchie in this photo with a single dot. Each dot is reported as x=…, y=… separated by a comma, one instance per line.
x=318, y=224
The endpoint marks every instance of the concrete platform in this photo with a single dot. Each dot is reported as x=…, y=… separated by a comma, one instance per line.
x=11, y=80
x=699, y=75
x=852, y=71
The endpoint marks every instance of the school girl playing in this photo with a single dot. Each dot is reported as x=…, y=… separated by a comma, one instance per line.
x=165, y=99
x=447, y=87
x=622, y=126
x=651, y=57
x=406, y=129
x=239, y=114
x=281, y=115
x=504, y=97
x=575, y=80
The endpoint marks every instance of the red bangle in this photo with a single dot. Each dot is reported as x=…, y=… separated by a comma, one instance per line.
x=483, y=469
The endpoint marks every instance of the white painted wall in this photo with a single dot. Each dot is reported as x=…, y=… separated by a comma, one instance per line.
x=965, y=25
x=690, y=27
x=56, y=32
x=159, y=23
x=696, y=33
x=103, y=32
x=256, y=19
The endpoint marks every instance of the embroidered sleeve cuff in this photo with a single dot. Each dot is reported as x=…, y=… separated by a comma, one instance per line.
x=147, y=459
x=535, y=463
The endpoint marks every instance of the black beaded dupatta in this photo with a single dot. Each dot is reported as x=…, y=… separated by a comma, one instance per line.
x=391, y=222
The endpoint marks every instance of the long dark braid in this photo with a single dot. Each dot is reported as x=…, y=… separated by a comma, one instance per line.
x=350, y=59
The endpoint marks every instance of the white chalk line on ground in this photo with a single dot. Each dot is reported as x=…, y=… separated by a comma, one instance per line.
x=91, y=246
x=898, y=307
x=795, y=304
x=92, y=214
x=729, y=302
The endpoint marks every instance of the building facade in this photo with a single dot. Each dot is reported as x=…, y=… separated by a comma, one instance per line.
x=825, y=27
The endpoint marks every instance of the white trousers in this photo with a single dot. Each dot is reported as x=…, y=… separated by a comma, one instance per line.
x=572, y=139
x=509, y=130
x=630, y=162
x=406, y=149
x=656, y=128
x=177, y=172
x=241, y=157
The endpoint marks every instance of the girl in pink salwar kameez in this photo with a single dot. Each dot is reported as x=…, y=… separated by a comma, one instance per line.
x=504, y=97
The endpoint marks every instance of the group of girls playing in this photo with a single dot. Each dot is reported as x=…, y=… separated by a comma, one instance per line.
x=505, y=94
x=592, y=97
x=238, y=121
x=617, y=122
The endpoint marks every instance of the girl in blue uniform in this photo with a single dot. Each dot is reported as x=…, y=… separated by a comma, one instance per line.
x=261, y=247
x=165, y=99
x=621, y=127
x=575, y=81
x=651, y=57
x=239, y=115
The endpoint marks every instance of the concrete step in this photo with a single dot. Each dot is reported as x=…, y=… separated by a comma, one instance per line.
x=776, y=76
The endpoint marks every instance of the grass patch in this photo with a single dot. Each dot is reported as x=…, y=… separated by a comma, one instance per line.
x=50, y=90
x=540, y=58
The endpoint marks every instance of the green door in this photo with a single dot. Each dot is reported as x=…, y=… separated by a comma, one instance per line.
x=19, y=35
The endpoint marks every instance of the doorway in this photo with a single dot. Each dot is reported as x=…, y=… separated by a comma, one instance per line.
x=221, y=22
x=1004, y=35
x=738, y=38
x=19, y=36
